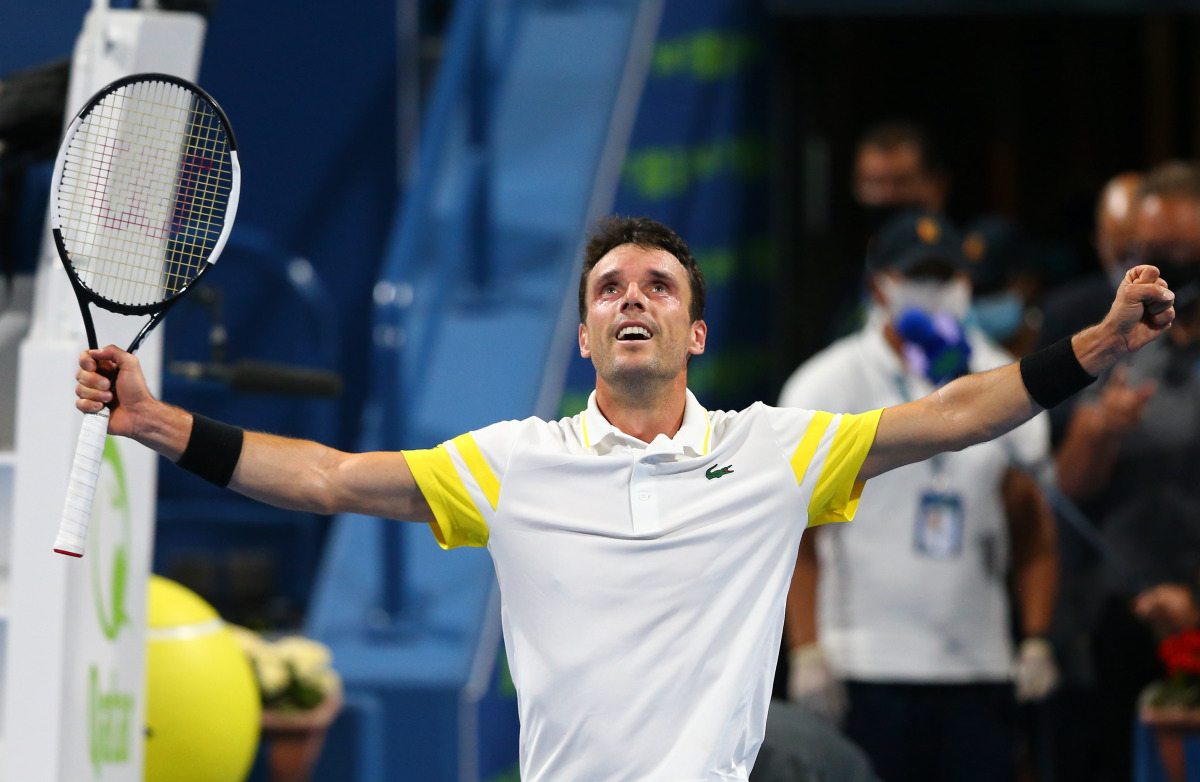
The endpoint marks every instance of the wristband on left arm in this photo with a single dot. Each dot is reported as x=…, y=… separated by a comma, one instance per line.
x=1054, y=374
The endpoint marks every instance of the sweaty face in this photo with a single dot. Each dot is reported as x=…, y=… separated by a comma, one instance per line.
x=638, y=328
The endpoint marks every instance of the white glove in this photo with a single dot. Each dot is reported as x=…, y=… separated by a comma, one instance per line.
x=1035, y=673
x=813, y=685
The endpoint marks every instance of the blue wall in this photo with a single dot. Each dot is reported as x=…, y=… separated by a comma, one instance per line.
x=33, y=33
x=310, y=89
x=698, y=162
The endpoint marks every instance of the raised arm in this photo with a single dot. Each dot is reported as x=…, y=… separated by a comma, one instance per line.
x=976, y=408
x=293, y=474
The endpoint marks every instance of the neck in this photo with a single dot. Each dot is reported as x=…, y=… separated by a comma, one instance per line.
x=644, y=413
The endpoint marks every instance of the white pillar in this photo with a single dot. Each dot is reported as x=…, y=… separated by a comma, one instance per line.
x=73, y=700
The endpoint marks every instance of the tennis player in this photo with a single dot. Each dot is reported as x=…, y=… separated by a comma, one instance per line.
x=643, y=547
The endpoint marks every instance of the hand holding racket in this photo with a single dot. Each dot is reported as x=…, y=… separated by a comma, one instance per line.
x=144, y=195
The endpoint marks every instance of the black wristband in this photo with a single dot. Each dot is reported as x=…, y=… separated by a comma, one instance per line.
x=212, y=451
x=1053, y=374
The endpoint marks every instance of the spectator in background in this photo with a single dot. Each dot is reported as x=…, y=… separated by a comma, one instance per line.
x=1073, y=306
x=913, y=610
x=1143, y=425
x=1007, y=283
x=897, y=166
x=1069, y=308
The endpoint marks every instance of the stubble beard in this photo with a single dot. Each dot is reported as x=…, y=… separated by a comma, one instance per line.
x=643, y=381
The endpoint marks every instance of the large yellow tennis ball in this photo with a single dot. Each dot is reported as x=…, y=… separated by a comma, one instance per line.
x=203, y=709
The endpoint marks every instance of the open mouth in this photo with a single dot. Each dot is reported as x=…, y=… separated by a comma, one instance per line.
x=633, y=333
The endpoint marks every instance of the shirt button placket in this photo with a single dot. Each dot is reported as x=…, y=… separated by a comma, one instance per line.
x=644, y=503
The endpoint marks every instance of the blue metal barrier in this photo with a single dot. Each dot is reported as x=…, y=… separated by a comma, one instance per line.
x=520, y=151
x=272, y=306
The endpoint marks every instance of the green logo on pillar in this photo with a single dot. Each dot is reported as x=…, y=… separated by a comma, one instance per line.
x=110, y=707
x=110, y=714
x=109, y=589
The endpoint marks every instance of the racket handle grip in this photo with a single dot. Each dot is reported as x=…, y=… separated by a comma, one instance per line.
x=85, y=472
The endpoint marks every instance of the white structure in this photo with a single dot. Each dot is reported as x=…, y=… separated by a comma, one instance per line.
x=74, y=650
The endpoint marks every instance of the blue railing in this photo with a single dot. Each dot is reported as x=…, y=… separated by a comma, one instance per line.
x=520, y=148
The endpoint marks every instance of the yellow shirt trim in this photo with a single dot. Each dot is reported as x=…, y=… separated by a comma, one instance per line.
x=478, y=466
x=808, y=444
x=457, y=522
x=836, y=495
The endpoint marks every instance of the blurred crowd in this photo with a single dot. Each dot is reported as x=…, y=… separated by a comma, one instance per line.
x=995, y=614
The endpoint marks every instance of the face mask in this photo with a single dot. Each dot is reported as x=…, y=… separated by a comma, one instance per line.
x=932, y=297
x=998, y=315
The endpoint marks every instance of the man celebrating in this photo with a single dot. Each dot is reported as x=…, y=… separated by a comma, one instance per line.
x=643, y=547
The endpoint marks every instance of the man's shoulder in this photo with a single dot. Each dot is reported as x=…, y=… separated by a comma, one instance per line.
x=532, y=428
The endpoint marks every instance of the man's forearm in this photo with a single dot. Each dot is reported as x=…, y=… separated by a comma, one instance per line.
x=287, y=473
x=980, y=407
x=1000, y=401
x=164, y=428
x=970, y=410
x=294, y=474
x=1098, y=349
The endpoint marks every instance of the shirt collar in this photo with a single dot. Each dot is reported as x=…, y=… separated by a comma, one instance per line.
x=692, y=437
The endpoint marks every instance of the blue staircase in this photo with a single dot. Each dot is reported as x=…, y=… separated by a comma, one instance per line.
x=475, y=322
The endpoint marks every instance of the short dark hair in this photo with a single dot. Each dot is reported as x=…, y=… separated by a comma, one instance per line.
x=1175, y=178
x=614, y=231
x=894, y=133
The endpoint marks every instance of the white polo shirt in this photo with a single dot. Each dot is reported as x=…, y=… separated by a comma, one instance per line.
x=643, y=585
x=887, y=610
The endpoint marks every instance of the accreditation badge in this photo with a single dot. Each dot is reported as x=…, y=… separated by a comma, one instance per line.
x=939, y=525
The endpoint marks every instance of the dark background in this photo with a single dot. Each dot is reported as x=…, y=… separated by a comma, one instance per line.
x=1033, y=113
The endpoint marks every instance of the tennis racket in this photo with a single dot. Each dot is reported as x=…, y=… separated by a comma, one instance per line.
x=143, y=198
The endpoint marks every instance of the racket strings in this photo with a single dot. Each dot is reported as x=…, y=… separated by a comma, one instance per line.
x=144, y=191
x=178, y=270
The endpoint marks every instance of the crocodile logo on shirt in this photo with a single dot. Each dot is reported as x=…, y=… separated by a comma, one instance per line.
x=717, y=472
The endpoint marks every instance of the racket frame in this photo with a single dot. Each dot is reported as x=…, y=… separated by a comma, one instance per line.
x=94, y=428
x=84, y=294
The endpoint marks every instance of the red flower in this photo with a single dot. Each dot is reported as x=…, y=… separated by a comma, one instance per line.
x=1181, y=653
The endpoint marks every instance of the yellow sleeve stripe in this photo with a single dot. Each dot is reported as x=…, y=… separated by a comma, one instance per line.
x=478, y=466
x=457, y=522
x=808, y=444
x=836, y=495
